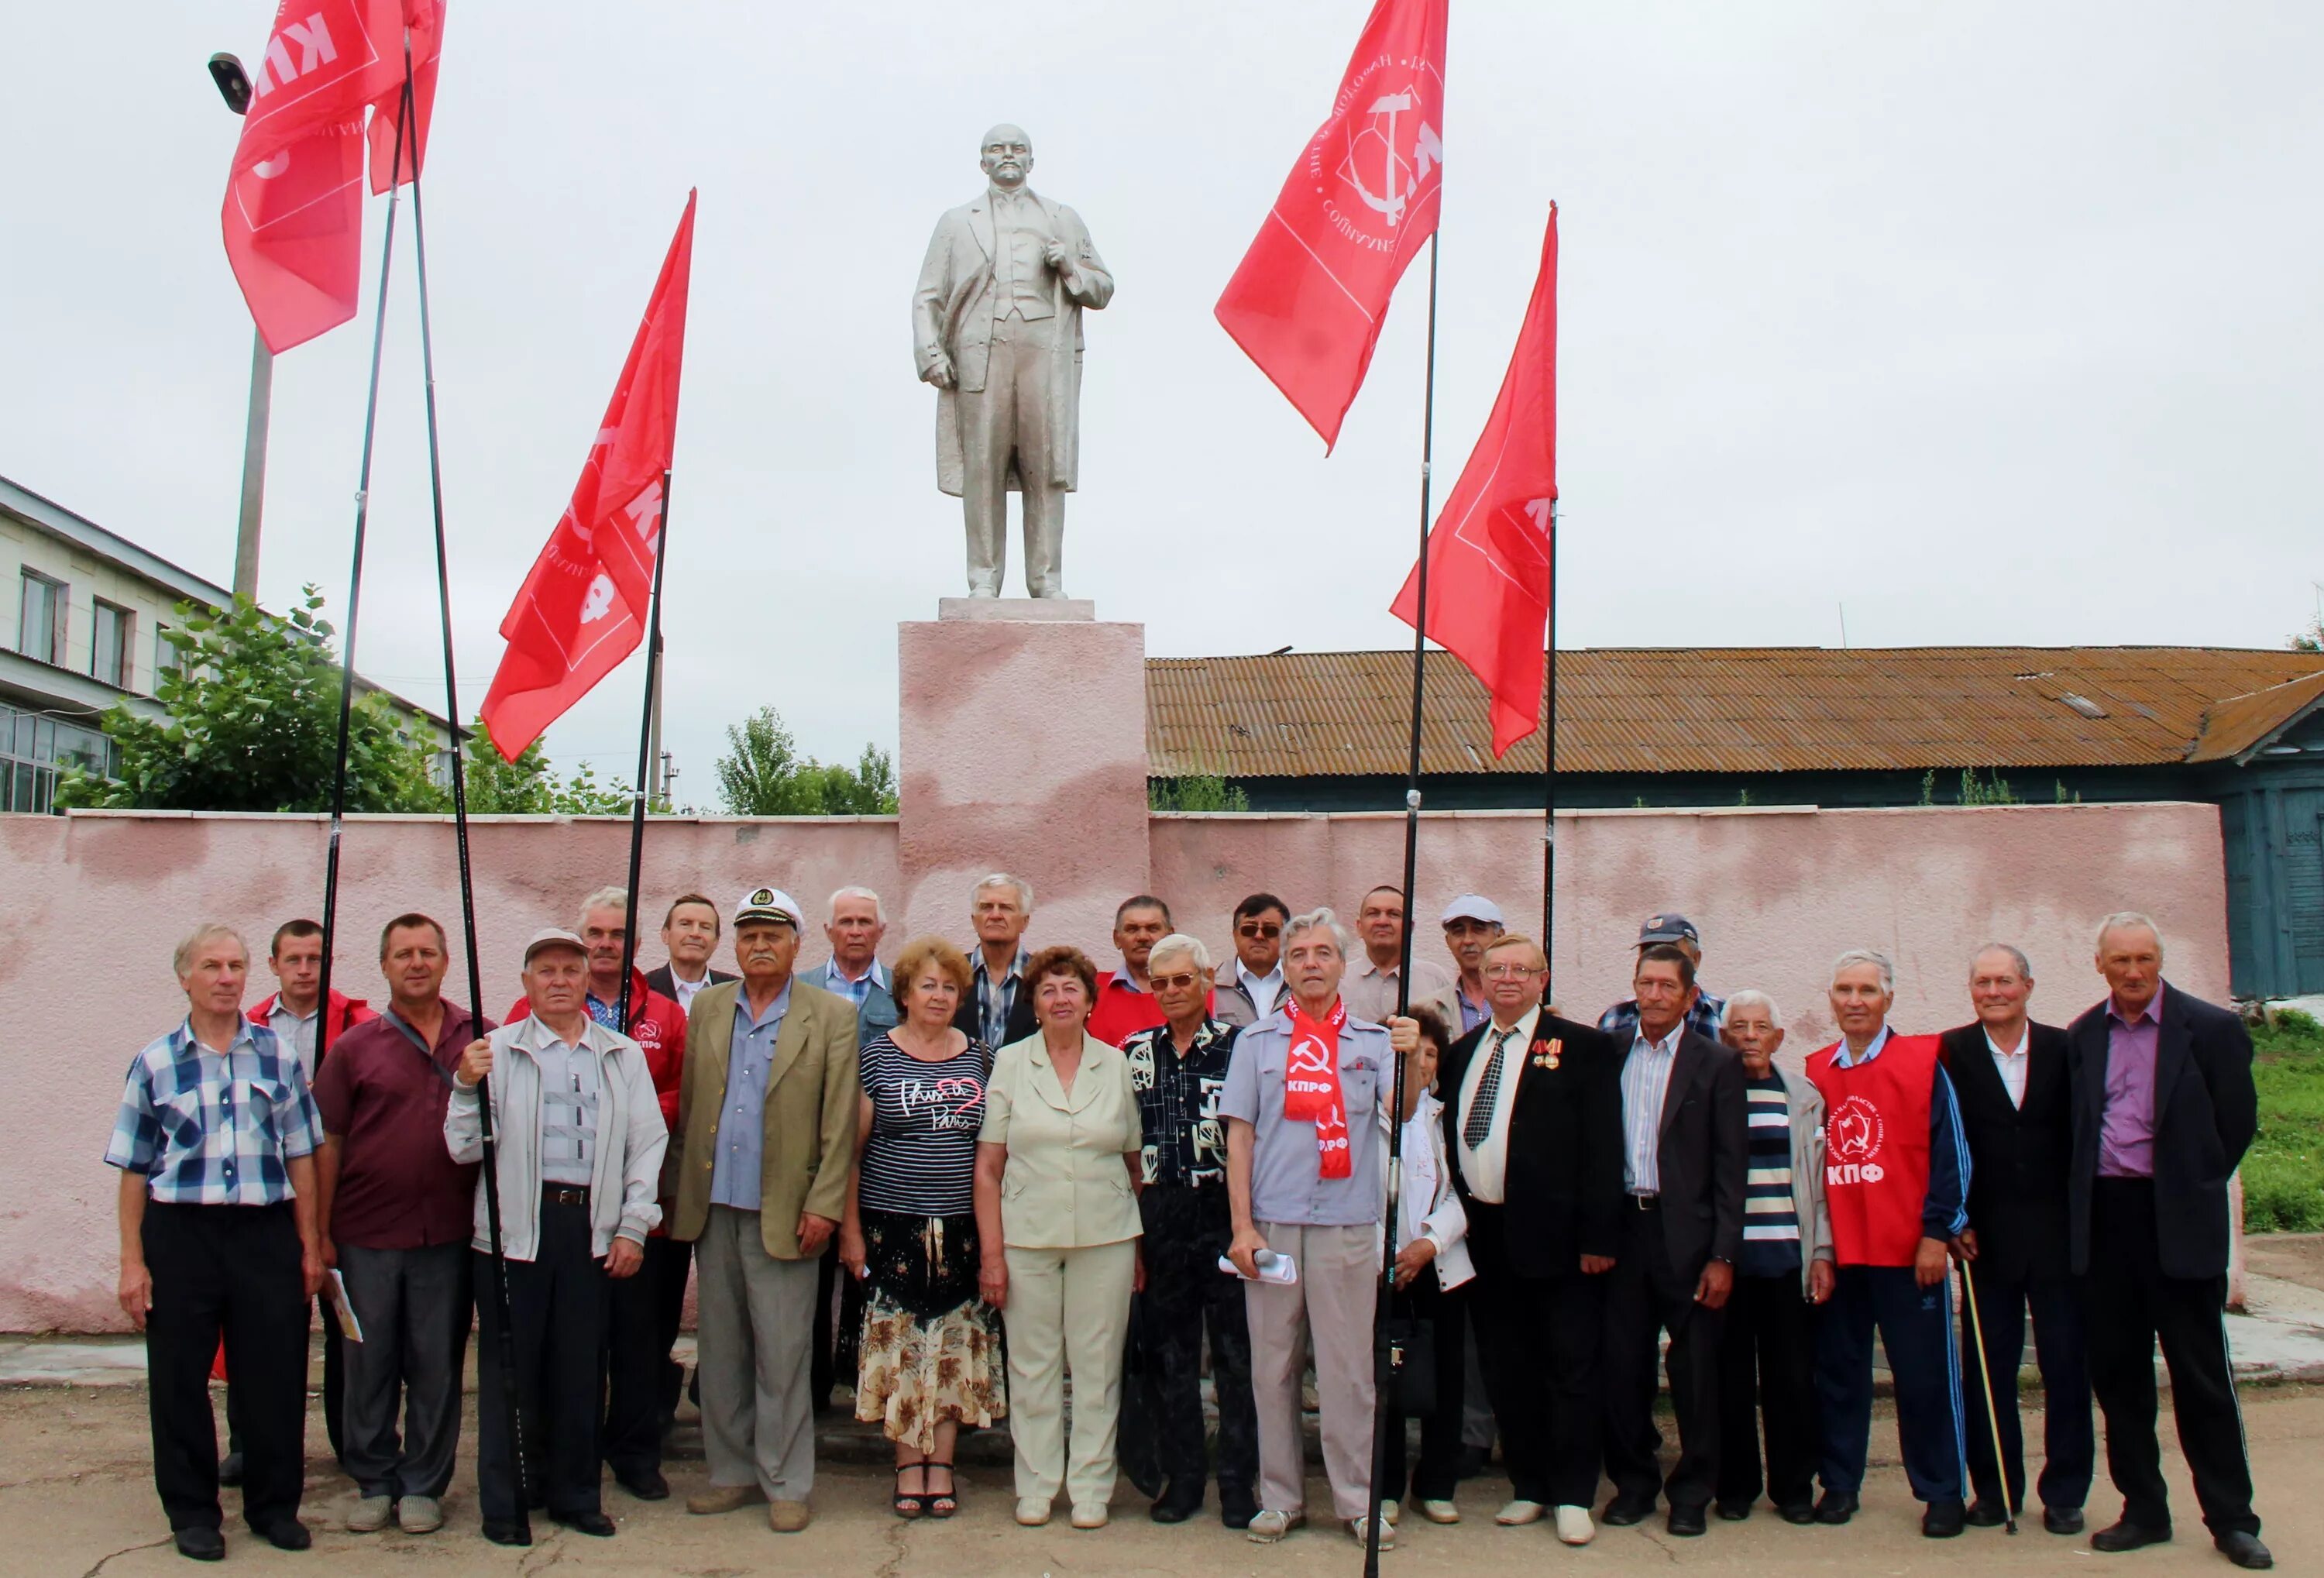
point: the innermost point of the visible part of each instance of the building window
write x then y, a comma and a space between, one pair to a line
167, 657
40, 618
109, 645
35, 749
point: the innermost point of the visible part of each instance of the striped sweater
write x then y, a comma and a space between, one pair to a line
1771, 1222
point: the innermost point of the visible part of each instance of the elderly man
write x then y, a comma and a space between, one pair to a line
2016, 1105
1471, 922
1178, 1070
395, 1209
767, 1129
2164, 1109
854, 927
998, 1008
215, 1140
690, 934
579, 1141
1305, 1148
1896, 1176
1669, 930
1125, 1002
1683, 1170
1371, 986
1253, 988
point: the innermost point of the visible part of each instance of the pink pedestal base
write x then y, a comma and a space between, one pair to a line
1023, 750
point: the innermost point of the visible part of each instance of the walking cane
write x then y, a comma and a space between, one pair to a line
1992, 1409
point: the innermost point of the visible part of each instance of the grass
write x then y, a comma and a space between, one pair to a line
2283, 1173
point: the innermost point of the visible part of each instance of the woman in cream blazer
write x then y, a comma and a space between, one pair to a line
1056, 1213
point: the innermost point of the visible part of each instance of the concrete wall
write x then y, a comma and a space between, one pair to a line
97, 901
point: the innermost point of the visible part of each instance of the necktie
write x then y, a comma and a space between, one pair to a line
1478, 1126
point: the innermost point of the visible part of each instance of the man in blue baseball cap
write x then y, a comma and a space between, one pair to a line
1670, 929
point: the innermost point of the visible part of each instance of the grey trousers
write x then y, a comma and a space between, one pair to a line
1332, 1304
413, 1305
754, 1322
1011, 414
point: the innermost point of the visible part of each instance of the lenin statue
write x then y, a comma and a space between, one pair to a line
997, 328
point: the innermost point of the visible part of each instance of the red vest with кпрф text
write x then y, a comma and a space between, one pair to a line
1876, 1153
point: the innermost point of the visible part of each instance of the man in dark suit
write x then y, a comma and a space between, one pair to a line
2163, 1110
1533, 1124
690, 934
1683, 1137
2016, 1112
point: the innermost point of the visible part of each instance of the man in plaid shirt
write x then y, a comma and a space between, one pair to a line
216, 1141
1621, 1020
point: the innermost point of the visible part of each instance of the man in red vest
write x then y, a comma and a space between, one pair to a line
1896, 1174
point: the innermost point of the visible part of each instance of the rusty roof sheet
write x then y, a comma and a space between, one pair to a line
1707, 709
2242, 723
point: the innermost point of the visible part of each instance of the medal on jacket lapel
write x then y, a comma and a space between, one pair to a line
1546, 1053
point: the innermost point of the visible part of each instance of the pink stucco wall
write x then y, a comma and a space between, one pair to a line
97, 901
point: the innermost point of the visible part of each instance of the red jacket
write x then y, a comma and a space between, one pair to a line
658, 1025
344, 1010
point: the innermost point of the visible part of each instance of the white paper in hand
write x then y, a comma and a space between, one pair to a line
336, 1286
1280, 1269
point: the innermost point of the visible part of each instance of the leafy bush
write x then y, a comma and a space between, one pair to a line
1202, 791
2284, 1174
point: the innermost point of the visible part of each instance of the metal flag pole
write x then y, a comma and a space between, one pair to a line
507, 1345
1549, 773
1387, 1360
645, 756
354, 603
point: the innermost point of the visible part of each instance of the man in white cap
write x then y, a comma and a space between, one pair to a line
1471, 922
766, 1128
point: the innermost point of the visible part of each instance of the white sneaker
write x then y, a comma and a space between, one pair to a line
420, 1515
1089, 1515
1360, 1529
1390, 1512
370, 1514
1573, 1526
1519, 1512
1440, 1512
1267, 1525
1032, 1511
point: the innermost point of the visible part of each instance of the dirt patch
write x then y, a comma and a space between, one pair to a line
2293, 1257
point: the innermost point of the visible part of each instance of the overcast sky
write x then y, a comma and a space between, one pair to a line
1998, 323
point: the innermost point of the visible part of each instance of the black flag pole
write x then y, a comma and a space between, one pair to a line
1387, 1358
354, 598
645, 755
508, 1398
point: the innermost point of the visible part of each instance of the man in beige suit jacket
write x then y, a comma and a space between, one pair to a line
766, 1133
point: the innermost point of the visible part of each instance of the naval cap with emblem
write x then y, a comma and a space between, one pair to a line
1668, 927
770, 904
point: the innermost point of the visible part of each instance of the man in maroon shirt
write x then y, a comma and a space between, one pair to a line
397, 1213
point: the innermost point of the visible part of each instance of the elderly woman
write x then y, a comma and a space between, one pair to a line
928, 1353
1766, 1360
1056, 1211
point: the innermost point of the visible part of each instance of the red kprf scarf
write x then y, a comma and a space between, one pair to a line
1311, 1087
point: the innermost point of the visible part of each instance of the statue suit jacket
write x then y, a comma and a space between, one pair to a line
952, 313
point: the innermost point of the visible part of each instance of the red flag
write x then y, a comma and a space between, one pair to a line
293, 212
1488, 557
1307, 303
425, 18
582, 609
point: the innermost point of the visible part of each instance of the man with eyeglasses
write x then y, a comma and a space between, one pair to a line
1371, 987
1471, 922
1253, 988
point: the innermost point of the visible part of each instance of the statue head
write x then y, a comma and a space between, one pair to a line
1007, 155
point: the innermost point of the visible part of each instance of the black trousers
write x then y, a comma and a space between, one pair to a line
823, 1363
1446, 1316
641, 1316
1646, 1297
334, 1386
558, 1301
230, 1269
1916, 1328
2069, 1447
2132, 1305
1540, 1340
1188, 1229
1766, 1383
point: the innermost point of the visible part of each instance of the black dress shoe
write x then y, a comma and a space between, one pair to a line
2128, 1536
229, 1472
1986, 1513
1621, 1512
590, 1523
2244, 1550
1177, 1502
1237, 1506
1944, 1520
1836, 1507
202, 1543
2062, 1520
506, 1533
1734, 1511
1797, 1512
645, 1484
1685, 1521
286, 1534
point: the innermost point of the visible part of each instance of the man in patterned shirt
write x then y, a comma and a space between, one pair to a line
216, 1141
1177, 1068
1669, 929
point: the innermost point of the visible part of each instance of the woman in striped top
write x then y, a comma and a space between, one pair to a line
928, 1353
1766, 1363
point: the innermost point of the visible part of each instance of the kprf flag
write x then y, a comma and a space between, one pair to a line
582, 609
1307, 303
1489, 557
293, 212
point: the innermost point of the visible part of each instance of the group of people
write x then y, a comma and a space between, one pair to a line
974, 1177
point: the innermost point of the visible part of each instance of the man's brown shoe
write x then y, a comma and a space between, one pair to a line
721, 1499
788, 1516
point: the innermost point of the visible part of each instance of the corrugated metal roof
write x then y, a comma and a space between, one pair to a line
2240, 723
1697, 709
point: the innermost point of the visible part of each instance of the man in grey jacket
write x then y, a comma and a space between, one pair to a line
580, 1139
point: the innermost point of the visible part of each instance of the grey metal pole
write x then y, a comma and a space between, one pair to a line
254, 468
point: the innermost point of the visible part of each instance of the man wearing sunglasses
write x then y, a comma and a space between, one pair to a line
1253, 988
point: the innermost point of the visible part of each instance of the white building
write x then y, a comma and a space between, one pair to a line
89, 622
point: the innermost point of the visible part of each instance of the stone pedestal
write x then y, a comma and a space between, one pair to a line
1022, 748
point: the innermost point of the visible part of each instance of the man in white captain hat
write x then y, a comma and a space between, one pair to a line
765, 1137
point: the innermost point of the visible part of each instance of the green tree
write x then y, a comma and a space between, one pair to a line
1198, 791
2311, 640
529, 786
253, 725
764, 774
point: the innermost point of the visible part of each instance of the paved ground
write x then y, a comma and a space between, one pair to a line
77, 1500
